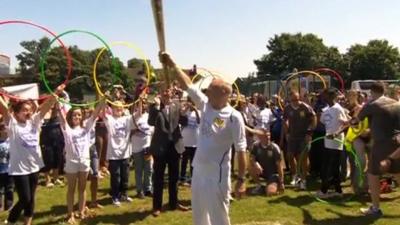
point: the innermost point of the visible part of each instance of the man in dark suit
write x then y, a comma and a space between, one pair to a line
165, 116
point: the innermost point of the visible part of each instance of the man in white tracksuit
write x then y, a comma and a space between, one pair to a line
220, 126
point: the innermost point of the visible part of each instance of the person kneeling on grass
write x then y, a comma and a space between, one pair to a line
266, 162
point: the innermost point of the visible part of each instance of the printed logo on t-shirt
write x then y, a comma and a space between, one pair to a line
4, 154
192, 123
219, 122
79, 141
29, 138
302, 114
327, 118
120, 130
144, 127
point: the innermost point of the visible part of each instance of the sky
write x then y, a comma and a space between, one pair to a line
220, 35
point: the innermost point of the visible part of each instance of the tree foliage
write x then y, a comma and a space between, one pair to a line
378, 60
109, 70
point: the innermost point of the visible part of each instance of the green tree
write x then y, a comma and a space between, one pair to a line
378, 60
29, 59
304, 52
109, 70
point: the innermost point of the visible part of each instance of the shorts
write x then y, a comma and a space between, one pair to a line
94, 161
296, 146
381, 149
77, 166
52, 156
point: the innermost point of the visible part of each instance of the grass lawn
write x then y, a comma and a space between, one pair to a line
291, 208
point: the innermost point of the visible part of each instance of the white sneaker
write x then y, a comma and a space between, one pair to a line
294, 181
126, 199
302, 185
116, 202
371, 211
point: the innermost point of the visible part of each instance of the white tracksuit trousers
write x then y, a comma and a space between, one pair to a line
210, 198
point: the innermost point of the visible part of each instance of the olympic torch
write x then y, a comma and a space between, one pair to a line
159, 22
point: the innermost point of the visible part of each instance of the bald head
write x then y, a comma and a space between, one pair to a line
218, 93
294, 98
221, 86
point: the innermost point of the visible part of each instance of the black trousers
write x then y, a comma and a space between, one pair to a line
187, 157
25, 185
6, 190
316, 154
119, 177
171, 159
330, 175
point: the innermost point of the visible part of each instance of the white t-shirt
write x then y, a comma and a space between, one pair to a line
78, 141
264, 119
219, 129
331, 117
191, 131
142, 138
25, 153
92, 131
119, 130
250, 112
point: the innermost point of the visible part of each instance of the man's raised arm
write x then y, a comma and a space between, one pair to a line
183, 79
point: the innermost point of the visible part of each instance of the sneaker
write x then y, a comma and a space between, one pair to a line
302, 185
337, 194
294, 181
49, 185
148, 193
371, 211
126, 199
140, 195
95, 205
184, 184
59, 182
116, 202
322, 195
257, 190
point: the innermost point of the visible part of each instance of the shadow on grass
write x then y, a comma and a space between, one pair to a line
122, 219
57, 212
342, 219
307, 199
297, 201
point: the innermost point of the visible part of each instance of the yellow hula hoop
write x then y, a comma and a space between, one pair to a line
138, 51
216, 75
297, 74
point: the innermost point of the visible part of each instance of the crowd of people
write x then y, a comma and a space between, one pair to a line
195, 138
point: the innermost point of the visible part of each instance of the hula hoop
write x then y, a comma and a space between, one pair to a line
204, 77
297, 74
352, 153
334, 73
66, 52
137, 50
216, 75
361, 127
44, 56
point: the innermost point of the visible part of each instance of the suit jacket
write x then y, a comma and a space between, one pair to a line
166, 127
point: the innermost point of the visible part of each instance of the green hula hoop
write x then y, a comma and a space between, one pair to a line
43, 62
350, 151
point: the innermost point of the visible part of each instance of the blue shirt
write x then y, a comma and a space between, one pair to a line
4, 156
